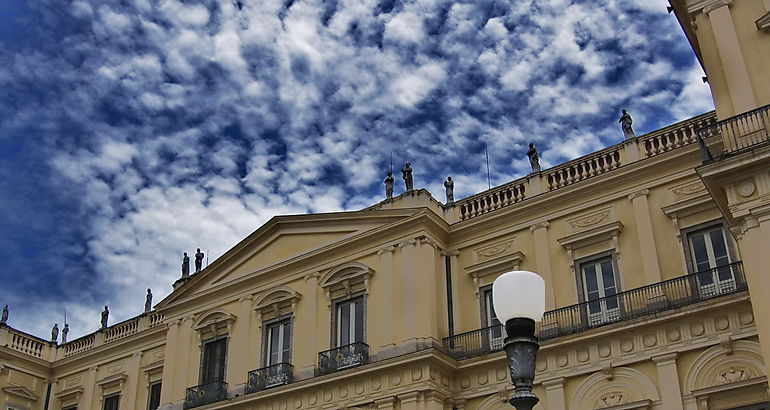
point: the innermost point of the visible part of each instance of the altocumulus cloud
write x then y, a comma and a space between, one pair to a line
134, 130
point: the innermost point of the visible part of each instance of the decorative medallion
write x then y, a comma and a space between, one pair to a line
465, 382
650, 340
746, 318
416, 374
376, 384
722, 323
582, 356
732, 375
627, 345
697, 329
297, 403
604, 351
359, 388
483, 378
611, 399
562, 360
673, 335
745, 188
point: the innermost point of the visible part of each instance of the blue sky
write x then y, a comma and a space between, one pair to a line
134, 130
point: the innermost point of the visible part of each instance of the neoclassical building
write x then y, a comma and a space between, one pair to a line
654, 253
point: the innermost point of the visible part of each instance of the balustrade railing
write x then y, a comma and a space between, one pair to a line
270, 376
204, 394
343, 357
121, 330
634, 303
27, 344
155, 319
79, 345
741, 132
494, 199
583, 168
675, 136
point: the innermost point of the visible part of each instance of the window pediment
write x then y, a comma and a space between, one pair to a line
214, 322
115, 380
606, 232
277, 301
21, 391
346, 279
71, 394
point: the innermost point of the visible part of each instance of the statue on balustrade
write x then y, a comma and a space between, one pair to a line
64, 333
55, 333
389, 185
450, 190
198, 260
148, 301
185, 265
407, 174
4, 317
534, 159
105, 316
625, 123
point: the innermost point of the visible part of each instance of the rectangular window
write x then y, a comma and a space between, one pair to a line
489, 318
111, 402
278, 342
153, 401
599, 290
214, 359
350, 321
711, 260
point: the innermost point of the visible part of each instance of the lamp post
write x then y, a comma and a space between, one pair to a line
519, 300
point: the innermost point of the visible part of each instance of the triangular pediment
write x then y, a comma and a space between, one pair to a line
284, 240
21, 391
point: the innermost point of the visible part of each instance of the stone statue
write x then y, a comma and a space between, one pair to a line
55, 333
4, 317
105, 316
198, 260
407, 174
185, 265
450, 190
389, 185
64, 333
625, 122
534, 159
148, 301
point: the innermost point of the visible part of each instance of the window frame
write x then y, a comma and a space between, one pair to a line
579, 263
203, 353
335, 305
266, 325
494, 338
149, 394
686, 233
115, 396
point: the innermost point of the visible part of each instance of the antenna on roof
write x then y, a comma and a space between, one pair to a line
489, 180
65, 315
391, 162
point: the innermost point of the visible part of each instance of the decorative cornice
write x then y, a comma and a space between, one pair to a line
706, 6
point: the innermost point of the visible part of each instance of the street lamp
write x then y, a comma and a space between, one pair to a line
519, 300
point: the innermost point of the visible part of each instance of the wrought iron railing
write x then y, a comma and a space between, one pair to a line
343, 357
634, 303
739, 133
205, 394
270, 376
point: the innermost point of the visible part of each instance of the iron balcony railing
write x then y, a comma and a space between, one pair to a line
205, 394
270, 376
343, 357
634, 303
739, 133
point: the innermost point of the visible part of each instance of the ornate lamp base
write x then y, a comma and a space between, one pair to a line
521, 348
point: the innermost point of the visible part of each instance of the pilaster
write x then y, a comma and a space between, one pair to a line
543, 259
169, 364
52, 398
554, 394
668, 380
387, 318
239, 357
89, 391
409, 401
187, 367
649, 253
408, 288
308, 308
133, 372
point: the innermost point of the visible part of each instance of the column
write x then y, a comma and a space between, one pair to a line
409, 400
543, 259
429, 298
188, 368
731, 56
133, 371
169, 363
408, 289
239, 359
52, 397
89, 390
385, 404
668, 381
308, 308
433, 400
648, 252
387, 317
554, 394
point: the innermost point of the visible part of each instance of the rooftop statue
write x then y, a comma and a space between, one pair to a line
198, 260
625, 123
389, 185
450, 190
64, 333
534, 159
4, 317
407, 174
185, 265
105, 317
148, 301
55, 333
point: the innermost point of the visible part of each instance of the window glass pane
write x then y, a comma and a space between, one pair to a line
221, 358
111, 403
286, 342
719, 247
608, 279
699, 252
274, 345
214, 356
344, 324
589, 274
359, 320
154, 401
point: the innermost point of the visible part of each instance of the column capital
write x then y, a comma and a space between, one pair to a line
312, 275
638, 194
428, 241
665, 358
387, 249
245, 298
539, 225
408, 242
453, 252
707, 6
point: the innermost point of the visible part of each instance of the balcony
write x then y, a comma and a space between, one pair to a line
205, 394
631, 304
739, 133
270, 376
343, 357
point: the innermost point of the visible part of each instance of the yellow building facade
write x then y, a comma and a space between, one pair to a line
651, 251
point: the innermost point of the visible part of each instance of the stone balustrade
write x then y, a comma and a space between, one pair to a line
121, 330
79, 345
27, 344
581, 169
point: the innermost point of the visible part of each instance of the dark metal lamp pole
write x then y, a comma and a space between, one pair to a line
518, 298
